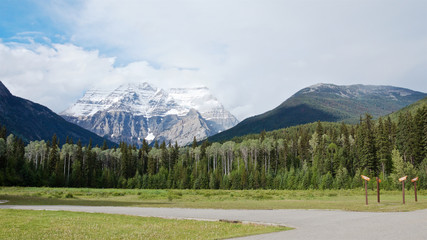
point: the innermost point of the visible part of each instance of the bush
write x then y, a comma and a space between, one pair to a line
119, 194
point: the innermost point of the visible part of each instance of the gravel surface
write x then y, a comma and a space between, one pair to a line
308, 224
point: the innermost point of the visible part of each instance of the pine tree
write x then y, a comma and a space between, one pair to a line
104, 145
369, 155
404, 136
419, 144
194, 145
144, 156
3, 159
383, 147
53, 160
77, 167
174, 155
125, 161
319, 131
303, 146
89, 165
3, 132
164, 156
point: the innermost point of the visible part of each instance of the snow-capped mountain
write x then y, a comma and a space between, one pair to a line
133, 112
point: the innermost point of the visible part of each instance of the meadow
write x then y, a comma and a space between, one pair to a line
349, 200
28, 224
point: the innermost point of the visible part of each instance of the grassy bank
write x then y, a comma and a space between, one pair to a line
27, 224
352, 200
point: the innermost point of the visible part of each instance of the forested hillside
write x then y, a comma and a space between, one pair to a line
319, 156
410, 108
326, 102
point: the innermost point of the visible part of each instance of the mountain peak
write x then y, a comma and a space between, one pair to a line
4, 92
318, 88
134, 111
137, 86
320, 85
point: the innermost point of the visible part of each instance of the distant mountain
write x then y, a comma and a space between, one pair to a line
326, 102
31, 121
133, 112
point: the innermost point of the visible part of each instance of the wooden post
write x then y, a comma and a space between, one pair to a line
403, 191
402, 179
378, 189
415, 187
366, 191
366, 187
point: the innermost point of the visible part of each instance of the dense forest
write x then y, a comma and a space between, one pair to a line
313, 156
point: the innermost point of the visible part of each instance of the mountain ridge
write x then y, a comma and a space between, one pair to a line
326, 102
32, 121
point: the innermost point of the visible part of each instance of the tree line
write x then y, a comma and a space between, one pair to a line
320, 155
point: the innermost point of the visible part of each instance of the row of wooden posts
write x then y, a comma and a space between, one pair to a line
402, 180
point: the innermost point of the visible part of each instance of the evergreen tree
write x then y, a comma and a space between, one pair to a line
53, 162
144, 156
125, 161
194, 145
104, 145
369, 155
77, 167
319, 132
89, 165
419, 138
383, 146
405, 136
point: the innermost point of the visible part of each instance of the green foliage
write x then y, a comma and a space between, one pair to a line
320, 155
327, 181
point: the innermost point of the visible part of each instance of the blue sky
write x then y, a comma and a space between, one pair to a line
24, 19
252, 54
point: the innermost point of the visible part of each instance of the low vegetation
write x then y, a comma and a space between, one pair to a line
352, 200
27, 224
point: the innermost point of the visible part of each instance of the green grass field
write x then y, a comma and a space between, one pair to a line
351, 200
27, 224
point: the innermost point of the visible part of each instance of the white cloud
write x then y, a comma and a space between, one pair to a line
52, 76
252, 54
59, 75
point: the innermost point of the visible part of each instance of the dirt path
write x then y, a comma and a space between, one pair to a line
308, 224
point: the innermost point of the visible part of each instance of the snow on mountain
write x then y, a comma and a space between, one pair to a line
198, 98
136, 105
138, 99
358, 91
206, 104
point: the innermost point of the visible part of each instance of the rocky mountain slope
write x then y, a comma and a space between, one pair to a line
137, 111
32, 121
326, 102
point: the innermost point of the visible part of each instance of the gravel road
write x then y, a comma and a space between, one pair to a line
308, 224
